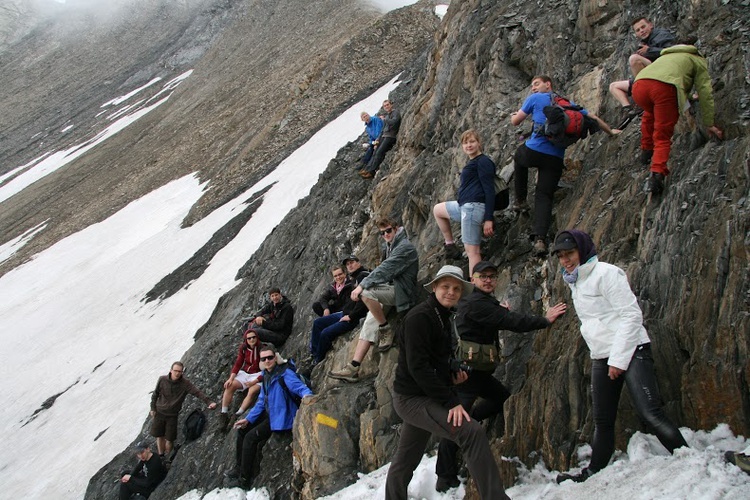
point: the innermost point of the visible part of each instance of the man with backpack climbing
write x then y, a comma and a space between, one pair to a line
545, 150
166, 403
281, 393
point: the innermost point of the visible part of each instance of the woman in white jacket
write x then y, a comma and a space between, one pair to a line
612, 326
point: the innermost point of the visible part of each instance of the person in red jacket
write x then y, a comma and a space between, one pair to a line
245, 374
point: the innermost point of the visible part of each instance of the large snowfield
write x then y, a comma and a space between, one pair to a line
81, 350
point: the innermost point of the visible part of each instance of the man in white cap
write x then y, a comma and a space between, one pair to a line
424, 396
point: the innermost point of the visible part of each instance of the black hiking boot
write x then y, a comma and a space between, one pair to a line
655, 184
646, 155
629, 113
577, 478
444, 484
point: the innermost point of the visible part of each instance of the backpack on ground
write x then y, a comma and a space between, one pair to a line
565, 123
194, 425
291, 365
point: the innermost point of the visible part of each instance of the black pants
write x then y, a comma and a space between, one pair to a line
550, 170
644, 392
265, 335
129, 489
386, 144
249, 440
493, 395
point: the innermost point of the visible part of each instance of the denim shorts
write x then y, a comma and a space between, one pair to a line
471, 216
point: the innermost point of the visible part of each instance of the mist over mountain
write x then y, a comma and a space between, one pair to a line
266, 75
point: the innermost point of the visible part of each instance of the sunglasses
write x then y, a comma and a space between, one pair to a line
267, 358
385, 231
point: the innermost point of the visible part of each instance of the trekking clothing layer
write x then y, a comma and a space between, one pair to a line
249, 439
145, 477
373, 128
660, 116
333, 299
248, 358
644, 393
611, 320
325, 330
478, 184
275, 401
391, 124
471, 217
169, 395
550, 169
356, 309
385, 145
534, 106
659, 39
400, 266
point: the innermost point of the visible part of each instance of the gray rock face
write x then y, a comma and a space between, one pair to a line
686, 253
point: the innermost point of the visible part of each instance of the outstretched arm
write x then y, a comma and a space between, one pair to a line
604, 126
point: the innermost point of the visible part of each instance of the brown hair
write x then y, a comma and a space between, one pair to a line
638, 19
387, 221
543, 78
274, 289
469, 134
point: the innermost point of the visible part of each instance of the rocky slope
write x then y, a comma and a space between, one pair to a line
686, 254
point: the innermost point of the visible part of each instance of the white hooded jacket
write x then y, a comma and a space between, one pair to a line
611, 319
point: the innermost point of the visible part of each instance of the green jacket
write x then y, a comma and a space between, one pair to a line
685, 68
400, 267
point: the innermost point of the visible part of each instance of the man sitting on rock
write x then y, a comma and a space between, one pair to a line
274, 321
274, 412
373, 127
391, 124
392, 283
327, 328
146, 476
245, 375
651, 42
336, 294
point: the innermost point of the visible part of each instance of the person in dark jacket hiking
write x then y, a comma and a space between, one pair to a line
391, 125
273, 412
424, 393
538, 152
166, 403
336, 294
612, 326
392, 283
245, 375
662, 90
327, 328
475, 205
146, 476
479, 317
373, 127
651, 41
275, 320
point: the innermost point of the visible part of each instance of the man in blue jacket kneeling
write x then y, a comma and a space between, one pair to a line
273, 412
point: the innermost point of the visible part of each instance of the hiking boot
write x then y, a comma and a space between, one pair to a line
655, 184
539, 248
629, 113
646, 155
348, 373
444, 484
577, 478
452, 251
521, 207
739, 459
366, 174
385, 337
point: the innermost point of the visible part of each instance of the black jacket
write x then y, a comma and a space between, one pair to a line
334, 301
278, 317
426, 350
148, 474
480, 316
659, 39
356, 310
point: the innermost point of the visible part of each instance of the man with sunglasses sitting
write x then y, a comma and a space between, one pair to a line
479, 317
392, 283
245, 376
273, 412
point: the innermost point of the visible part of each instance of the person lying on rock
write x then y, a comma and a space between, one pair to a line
336, 293
392, 283
329, 327
391, 125
273, 412
274, 321
245, 375
612, 326
146, 476
650, 43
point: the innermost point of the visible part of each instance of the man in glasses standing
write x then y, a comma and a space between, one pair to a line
479, 318
392, 283
274, 412
245, 376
